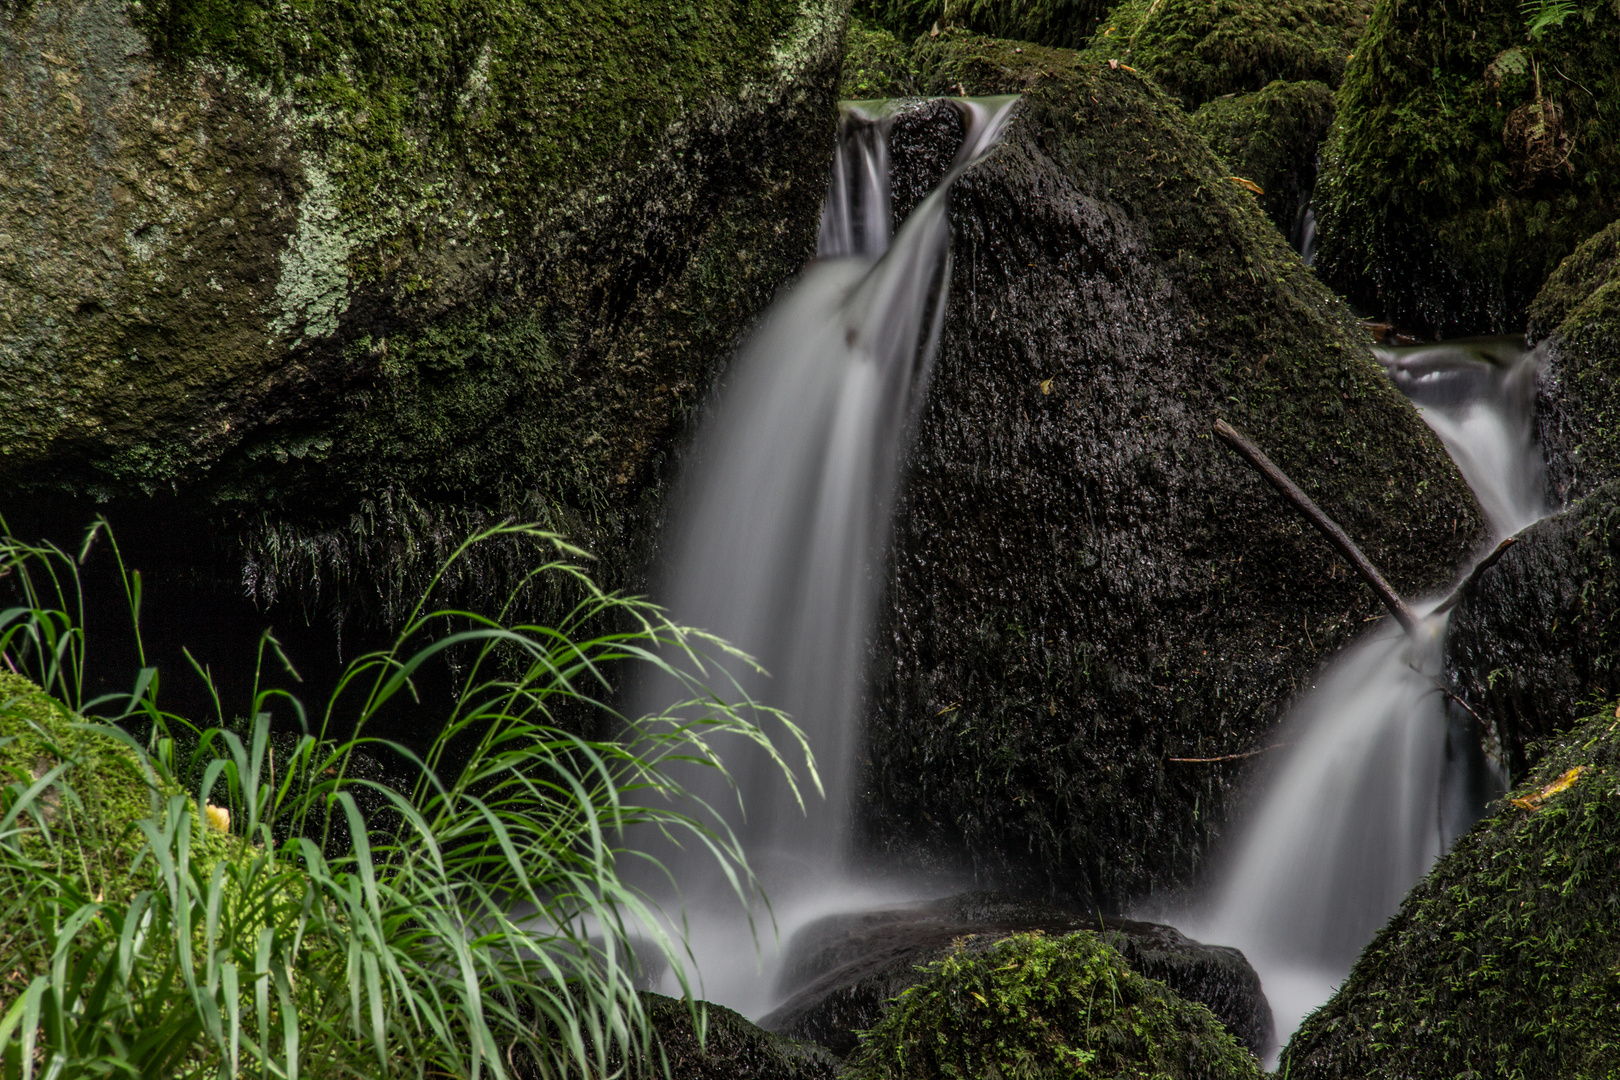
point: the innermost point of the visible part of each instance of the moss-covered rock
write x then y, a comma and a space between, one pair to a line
876, 65
1470, 154
1199, 50
348, 277
847, 968
1067, 24
731, 1047
1270, 136
1503, 962
1084, 583
1577, 313
1539, 632
1037, 1006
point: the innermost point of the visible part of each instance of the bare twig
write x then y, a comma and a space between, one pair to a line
1474, 575
1324, 524
1228, 757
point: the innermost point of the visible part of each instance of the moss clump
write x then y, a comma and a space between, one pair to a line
1270, 137
1199, 50
1503, 962
876, 65
1467, 159
905, 19
1579, 310
1034, 1006
101, 794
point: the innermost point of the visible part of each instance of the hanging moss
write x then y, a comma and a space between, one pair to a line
1031, 1006
1503, 962
1468, 158
1270, 137
1199, 50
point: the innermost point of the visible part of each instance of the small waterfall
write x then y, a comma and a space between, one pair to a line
1381, 771
782, 519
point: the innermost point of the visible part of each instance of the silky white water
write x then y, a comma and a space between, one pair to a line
1377, 774
779, 535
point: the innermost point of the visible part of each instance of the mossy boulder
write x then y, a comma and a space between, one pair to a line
341, 281
1067, 24
1470, 154
1199, 50
846, 969
1577, 315
1502, 962
731, 1048
1539, 632
1084, 584
1038, 1006
1270, 137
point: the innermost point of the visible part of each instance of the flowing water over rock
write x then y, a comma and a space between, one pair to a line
1380, 772
781, 524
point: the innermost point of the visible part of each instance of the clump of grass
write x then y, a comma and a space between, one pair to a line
478, 925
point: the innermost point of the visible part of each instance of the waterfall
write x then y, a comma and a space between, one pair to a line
777, 540
1380, 771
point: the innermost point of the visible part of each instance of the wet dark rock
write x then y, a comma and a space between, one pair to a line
1503, 961
333, 325
1474, 148
1270, 136
734, 1048
1539, 632
1084, 584
848, 967
1577, 313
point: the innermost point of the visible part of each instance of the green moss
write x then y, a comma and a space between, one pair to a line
905, 19
1034, 1006
103, 792
1270, 137
876, 65
1067, 24
1431, 210
1503, 962
1199, 50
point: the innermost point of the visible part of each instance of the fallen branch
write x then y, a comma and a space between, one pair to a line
1228, 757
1474, 575
1324, 524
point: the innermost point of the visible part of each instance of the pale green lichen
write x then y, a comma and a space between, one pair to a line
312, 289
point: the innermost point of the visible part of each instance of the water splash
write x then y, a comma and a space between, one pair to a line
782, 518
1381, 772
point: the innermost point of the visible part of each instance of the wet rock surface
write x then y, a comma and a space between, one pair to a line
1577, 313
849, 966
1084, 584
248, 299
733, 1049
1539, 632
1457, 174
1502, 961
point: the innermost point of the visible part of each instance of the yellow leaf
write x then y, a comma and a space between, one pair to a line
1247, 184
980, 996
1563, 783
218, 817
1046, 386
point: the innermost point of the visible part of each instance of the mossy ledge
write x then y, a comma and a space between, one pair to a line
1503, 961
298, 264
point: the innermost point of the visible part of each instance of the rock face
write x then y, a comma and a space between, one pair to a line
1031, 1005
1539, 632
1578, 314
1473, 150
1270, 136
1085, 585
341, 286
1503, 961
851, 966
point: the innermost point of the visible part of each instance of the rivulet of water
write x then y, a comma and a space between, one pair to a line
778, 535
1380, 771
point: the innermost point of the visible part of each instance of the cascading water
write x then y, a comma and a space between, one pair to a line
782, 519
1381, 773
